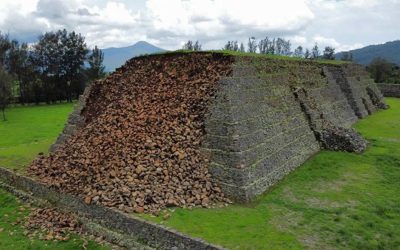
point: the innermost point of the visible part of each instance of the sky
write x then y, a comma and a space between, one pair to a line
343, 24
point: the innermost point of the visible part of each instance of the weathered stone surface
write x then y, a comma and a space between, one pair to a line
389, 90
343, 139
272, 115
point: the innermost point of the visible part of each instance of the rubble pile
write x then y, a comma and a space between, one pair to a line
139, 149
57, 225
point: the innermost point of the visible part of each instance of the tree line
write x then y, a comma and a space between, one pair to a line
381, 70
54, 69
384, 71
275, 46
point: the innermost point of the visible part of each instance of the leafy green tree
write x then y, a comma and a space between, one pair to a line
96, 67
315, 51
307, 54
59, 57
286, 50
197, 46
347, 56
298, 52
190, 45
383, 71
263, 45
5, 45
74, 54
252, 45
242, 49
232, 46
5, 90
19, 65
329, 53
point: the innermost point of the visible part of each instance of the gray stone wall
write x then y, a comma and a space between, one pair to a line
389, 90
257, 130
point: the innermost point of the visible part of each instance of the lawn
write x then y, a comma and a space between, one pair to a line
335, 200
28, 131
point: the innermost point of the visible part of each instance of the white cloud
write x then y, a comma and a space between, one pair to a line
343, 24
214, 19
163, 22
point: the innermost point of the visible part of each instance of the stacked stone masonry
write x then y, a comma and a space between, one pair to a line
258, 131
389, 90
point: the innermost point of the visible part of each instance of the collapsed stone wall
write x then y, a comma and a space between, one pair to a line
389, 90
266, 117
139, 146
272, 115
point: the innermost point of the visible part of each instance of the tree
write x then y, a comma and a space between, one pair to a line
263, 45
279, 46
329, 53
232, 45
272, 47
298, 52
252, 45
286, 49
307, 54
381, 70
189, 45
197, 46
242, 49
228, 46
5, 90
315, 51
74, 54
5, 45
96, 67
266, 46
347, 56
59, 58
20, 67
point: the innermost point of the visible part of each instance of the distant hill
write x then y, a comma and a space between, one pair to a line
389, 51
116, 57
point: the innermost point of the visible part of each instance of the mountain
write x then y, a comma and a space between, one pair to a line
389, 51
116, 57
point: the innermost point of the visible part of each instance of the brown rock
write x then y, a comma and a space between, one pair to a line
143, 131
139, 210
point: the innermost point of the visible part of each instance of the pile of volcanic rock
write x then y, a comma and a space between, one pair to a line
56, 225
343, 139
139, 149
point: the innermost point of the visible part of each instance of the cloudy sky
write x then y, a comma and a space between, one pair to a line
344, 24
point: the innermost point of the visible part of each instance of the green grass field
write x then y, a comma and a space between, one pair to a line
335, 200
28, 131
